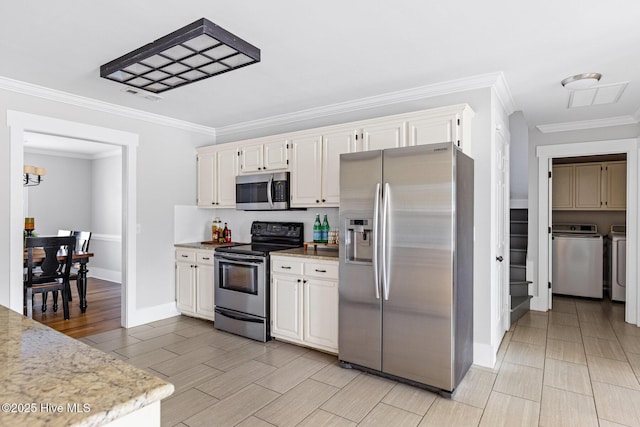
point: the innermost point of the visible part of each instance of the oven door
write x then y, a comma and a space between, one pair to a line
240, 283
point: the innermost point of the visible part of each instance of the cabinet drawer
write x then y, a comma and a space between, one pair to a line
205, 258
185, 256
321, 270
286, 265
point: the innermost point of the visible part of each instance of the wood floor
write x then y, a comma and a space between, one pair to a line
103, 311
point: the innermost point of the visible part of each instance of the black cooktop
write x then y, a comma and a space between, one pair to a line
269, 236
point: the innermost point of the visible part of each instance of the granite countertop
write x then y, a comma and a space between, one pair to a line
202, 245
44, 373
326, 254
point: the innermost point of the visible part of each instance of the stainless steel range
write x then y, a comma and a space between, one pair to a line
242, 278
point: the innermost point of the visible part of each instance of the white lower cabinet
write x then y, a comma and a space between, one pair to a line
304, 301
194, 283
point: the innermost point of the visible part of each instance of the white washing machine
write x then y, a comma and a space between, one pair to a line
577, 260
617, 263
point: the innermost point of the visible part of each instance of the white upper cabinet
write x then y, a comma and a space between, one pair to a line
264, 155
383, 134
616, 185
313, 156
447, 124
315, 166
217, 170
306, 170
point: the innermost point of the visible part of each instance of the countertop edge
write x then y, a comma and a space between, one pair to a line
326, 254
128, 407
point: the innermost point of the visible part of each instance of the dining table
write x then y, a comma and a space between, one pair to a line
78, 257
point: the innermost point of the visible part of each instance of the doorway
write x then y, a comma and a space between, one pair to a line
82, 191
545, 155
19, 123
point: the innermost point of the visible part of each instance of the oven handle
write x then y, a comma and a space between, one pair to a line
240, 260
241, 318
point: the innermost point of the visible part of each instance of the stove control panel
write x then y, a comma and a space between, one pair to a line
277, 229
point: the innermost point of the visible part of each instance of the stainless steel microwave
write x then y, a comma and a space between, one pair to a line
263, 192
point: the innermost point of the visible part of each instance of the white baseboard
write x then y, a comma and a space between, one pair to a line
105, 274
484, 355
151, 314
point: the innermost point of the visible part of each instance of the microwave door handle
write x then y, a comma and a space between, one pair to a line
376, 237
270, 191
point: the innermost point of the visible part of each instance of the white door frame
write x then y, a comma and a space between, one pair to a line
20, 122
545, 153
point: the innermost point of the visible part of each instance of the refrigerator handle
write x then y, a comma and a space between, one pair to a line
376, 235
386, 267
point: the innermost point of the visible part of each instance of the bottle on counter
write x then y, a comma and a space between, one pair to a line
325, 229
317, 230
216, 230
226, 233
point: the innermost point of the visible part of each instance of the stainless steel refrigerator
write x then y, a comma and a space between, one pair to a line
406, 264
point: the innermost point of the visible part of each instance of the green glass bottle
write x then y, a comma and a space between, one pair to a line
325, 230
317, 230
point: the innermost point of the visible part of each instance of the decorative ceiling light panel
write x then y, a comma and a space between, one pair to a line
195, 52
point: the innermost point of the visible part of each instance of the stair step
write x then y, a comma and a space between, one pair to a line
519, 307
518, 250
519, 282
518, 266
518, 222
518, 290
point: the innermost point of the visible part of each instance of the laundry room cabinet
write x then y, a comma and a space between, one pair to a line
590, 186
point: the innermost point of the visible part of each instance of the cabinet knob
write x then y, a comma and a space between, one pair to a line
264, 167
304, 281
259, 169
499, 258
299, 280
317, 201
323, 200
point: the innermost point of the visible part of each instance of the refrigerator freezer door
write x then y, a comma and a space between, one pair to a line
360, 323
417, 320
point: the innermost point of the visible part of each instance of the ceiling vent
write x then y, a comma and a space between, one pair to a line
599, 95
141, 94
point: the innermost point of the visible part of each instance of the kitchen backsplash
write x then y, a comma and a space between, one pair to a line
193, 224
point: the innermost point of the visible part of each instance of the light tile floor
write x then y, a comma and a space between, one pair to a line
577, 365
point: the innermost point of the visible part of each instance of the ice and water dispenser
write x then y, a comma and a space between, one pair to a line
359, 241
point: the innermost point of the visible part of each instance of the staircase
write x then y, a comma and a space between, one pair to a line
518, 284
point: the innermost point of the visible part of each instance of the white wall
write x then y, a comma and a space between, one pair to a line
63, 199
165, 177
519, 162
106, 217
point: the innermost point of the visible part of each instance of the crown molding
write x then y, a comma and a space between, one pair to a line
589, 124
105, 107
495, 80
504, 94
74, 155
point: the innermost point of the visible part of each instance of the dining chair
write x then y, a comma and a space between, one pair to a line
83, 238
50, 274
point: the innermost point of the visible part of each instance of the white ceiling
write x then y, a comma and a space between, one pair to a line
316, 54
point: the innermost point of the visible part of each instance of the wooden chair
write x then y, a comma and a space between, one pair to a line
52, 274
83, 238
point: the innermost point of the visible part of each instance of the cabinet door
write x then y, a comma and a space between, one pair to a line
185, 287
306, 171
286, 321
333, 144
251, 158
616, 185
432, 130
588, 186
383, 135
226, 171
321, 313
204, 291
562, 191
276, 155
206, 174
